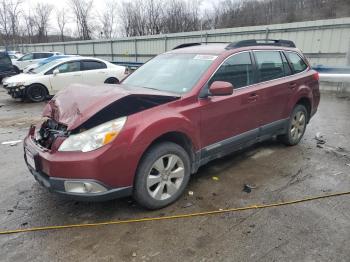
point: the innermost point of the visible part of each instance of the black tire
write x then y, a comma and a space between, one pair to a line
142, 192
112, 80
36, 93
289, 139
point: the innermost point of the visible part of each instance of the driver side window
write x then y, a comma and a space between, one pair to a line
26, 57
69, 67
237, 70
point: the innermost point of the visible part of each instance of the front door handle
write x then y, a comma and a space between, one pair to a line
292, 85
253, 97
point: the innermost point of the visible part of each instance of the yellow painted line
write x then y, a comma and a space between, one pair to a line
181, 216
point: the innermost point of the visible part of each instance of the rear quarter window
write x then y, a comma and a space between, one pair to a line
297, 62
93, 65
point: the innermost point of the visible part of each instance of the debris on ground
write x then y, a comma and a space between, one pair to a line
339, 173
319, 138
339, 151
134, 254
215, 178
248, 188
190, 193
189, 204
11, 143
348, 164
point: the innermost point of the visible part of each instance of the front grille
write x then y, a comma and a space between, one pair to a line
49, 131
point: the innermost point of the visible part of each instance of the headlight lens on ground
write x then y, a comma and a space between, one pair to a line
94, 138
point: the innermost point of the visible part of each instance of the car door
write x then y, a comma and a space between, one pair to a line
229, 122
68, 73
94, 71
275, 90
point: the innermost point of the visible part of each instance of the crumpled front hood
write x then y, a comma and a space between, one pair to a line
19, 78
77, 103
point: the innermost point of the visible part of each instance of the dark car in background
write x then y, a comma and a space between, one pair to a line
6, 67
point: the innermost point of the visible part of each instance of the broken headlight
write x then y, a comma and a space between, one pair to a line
94, 138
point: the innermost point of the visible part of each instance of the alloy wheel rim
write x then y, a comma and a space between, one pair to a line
165, 177
37, 93
298, 125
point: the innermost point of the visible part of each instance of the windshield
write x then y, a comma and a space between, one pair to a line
176, 73
45, 67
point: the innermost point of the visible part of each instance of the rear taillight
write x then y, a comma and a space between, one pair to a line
316, 76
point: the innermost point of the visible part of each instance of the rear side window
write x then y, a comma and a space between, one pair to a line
93, 65
38, 55
269, 64
297, 62
238, 70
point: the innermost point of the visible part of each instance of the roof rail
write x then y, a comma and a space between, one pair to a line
268, 42
186, 45
196, 44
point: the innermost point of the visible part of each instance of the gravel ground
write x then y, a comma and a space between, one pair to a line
313, 231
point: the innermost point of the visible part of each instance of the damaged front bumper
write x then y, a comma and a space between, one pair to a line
16, 92
78, 176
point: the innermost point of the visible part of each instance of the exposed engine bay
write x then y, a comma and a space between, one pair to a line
51, 129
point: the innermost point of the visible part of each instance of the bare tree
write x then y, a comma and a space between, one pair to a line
154, 15
82, 10
9, 20
108, 19
42, 13
133, 18
62, 19
182, 16
29, 22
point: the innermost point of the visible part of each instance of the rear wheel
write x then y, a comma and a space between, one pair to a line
36, 93
162, 175
112, 80
296, 126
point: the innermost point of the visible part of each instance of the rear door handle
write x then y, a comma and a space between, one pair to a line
292, 85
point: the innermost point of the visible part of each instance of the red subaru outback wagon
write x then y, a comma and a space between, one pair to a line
180, 110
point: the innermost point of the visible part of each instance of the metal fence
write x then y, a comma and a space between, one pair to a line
324, 42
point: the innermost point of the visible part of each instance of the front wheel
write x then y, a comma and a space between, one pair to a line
296, 126
36, 93
162, 175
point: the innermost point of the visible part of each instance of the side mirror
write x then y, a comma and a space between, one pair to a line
56, 71
220, 88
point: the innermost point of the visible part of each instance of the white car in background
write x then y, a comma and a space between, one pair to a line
52, 77
32, 58
15, 57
